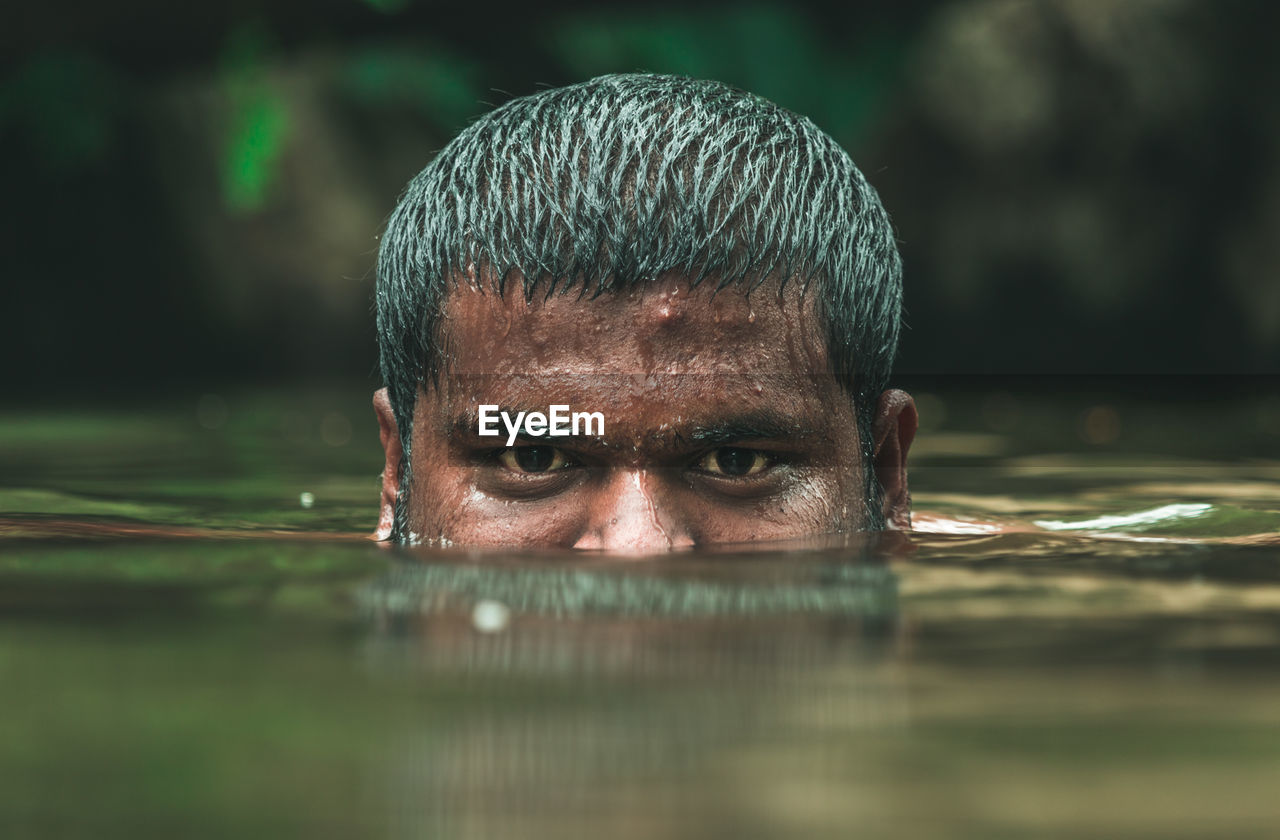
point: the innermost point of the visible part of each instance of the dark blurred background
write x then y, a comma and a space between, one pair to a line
194, 192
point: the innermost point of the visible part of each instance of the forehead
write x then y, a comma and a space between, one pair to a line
664, 327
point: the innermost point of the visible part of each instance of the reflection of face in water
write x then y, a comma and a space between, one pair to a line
722, 423
807, 589
603, 687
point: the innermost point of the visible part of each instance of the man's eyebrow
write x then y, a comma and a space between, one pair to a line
757, 426
739, 428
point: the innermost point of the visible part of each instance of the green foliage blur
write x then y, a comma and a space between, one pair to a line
1079, 187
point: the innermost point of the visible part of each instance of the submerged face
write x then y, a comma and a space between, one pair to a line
721, 423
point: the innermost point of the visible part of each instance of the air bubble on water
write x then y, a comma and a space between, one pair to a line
490, 616
335, 429
306, 499
1100, 425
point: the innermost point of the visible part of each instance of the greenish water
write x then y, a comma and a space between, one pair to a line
1084, 644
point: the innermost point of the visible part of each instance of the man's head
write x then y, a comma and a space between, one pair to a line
707, 271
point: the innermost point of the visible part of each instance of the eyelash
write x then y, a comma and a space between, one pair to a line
771, 460
500, 457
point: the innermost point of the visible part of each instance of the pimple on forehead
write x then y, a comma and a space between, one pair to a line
676, 302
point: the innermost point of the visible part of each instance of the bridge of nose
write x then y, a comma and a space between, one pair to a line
630, 514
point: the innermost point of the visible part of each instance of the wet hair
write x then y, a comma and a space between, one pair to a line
604, 185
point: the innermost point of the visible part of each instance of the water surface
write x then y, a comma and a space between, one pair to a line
196, 640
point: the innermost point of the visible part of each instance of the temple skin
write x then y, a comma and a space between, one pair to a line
683, 375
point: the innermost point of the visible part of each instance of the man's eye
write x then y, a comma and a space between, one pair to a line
533, 459
734, 462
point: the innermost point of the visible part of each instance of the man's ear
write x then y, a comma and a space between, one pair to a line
893, 430
389, 432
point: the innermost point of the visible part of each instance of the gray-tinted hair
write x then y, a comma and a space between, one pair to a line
606, 184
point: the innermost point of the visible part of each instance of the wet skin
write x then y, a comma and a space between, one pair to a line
723, 424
